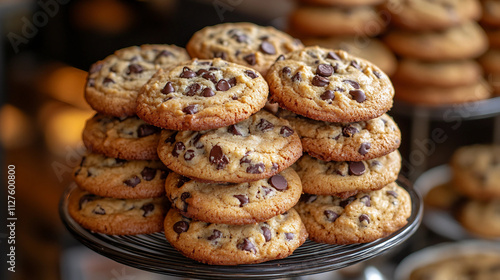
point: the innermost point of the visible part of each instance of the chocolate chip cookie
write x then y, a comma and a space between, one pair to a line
119, 178
362, 218
256, 148
346, 178
481, 217
342, 2
345, 141
220, 244
242, 43
331, 86
201, 94
113, 83
243, 203
126, 138
117, 216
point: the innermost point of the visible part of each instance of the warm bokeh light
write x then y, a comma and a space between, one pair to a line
15, 127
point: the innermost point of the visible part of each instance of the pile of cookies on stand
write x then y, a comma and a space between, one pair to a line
490, 61
182, 144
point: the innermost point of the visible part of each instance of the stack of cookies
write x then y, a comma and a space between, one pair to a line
337, 104
347, 25
437, 42
490, 61
231, 189
121, 180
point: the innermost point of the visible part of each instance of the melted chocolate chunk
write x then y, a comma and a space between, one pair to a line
251, 74
308, 198
221, 54
209, 76
232, 82
242, 198
147, 208
354, 84
349, 130
256, 168
355, 65
187, 73
392, 193
132, 182
286, 131
182, 181
356, 168
134, 69
286, 70
91, 82
278, 182
207, 92
164, 53
245, 158
330, 215
179, 147
184, 196
281, 57
247, 245
146, 129
108, 81
347, 201
267, 48
265, 125
86, 198
190, 109
193, 89
216, 234
218, 158
332, 55
189, 155
171, 138
233, 129
289, 236
99, 210
250, 59
181, 226
274, 166
366, 200
364, 217
320, 81
96, 67
222, 85
358, 95
267, 233
148, 173
327, 95
364, 148
196, 141
324, 70
297, 77
377, 74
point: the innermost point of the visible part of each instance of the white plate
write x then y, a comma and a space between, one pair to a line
443, 251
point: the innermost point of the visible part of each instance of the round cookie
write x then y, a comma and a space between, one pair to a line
126, 138
256, 148
242, 43
336, 21
346, 178
117, 216
476, 171
119, 178
243, 203
440, 45
491, 61
438, 74
358, 219
442, 95
220, 244
481, 217
201, 94
113, 83
491, 13
342, 2
331, 86
345, 141
366, 48
421, 15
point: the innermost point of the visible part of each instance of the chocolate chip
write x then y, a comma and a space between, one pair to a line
77, 172
364, 148
355, 65
178, 148
356, 168
347, 201
250, 59
289, 236
99, 210
264, 37
187, 73
232, 81
182, 181
267, 233
265, 125
164, 53
196, 141
286, 70
192, 89
207, 92
146, 129
148, 173
366, 200
247, 245
331, 216
278, 182
184, 196
233, 129
274, 166
297, 77
256, 168
242, 198
209, 76
364, 217
267, 48
327, 95
189, 155
213, 69
96, 67
358, 95
107, 81
377, 74
86, 198
392, 193
132, 182
218, 158
354, 84
171, 138
308, 198
375, 163
222, 85
120, 161
245, 158
220, 54
349, 130
147, 208
216, 234
266, 191
163, 174
320, 81
333, 55
191, 109
286, 131
181, 226
134, 69
281, 57
91, 82
251, 74
325, 70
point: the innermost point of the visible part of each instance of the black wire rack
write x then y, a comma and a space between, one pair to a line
153, 253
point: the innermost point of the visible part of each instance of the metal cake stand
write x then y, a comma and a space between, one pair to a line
153, 253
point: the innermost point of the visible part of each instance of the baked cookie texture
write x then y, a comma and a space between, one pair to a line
117, 178
127, 138
256, 148
201, 94
345, 141
114, 82
242, 43
117, 216
362, 218
481, 217
222, 244
328, 85
347, 178
243, 203
342, 2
